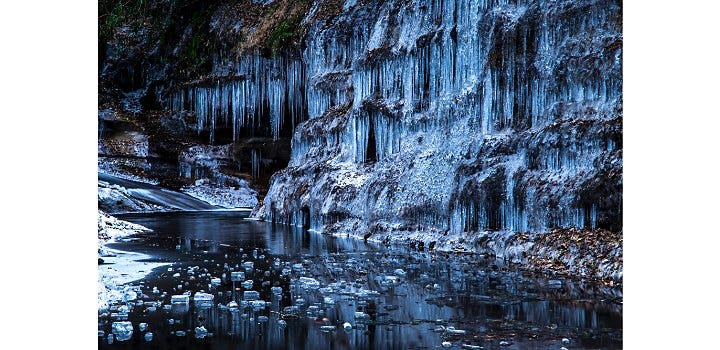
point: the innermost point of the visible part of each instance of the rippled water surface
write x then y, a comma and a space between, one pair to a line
321, 292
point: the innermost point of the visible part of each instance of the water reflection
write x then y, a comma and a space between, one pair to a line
309, 286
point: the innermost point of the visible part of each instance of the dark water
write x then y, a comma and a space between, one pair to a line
395, 309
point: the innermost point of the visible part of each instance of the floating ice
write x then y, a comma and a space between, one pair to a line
565, 341
200, 332
247, 284
327, 328
232, 305
388, 281
262, 319
248, 265
180, 299
142, 327
176, 275
257, 305
361, 315
452, 330
215, 281
400, 273
237, 276
203, 298
180, 333
251, 295
309, 283
282, 323
446, 344
329, 301
148, 336
110, 338
129, 295
276, 290
347, 326
122, 330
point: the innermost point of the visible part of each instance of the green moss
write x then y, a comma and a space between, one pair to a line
282, 35
114, 14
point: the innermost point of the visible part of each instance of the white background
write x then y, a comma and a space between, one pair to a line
48, 139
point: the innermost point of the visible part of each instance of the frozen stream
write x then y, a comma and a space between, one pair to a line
392, 298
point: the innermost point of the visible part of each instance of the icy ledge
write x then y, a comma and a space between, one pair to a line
223, 196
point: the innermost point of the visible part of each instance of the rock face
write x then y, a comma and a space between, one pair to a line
444, 120
454, 117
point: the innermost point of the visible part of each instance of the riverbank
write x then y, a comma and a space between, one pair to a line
117, 268
582, 254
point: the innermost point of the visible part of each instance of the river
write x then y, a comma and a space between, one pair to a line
312, 284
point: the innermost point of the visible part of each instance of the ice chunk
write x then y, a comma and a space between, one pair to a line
262, 319
237, 276
257, 305
247, 284
400, 273
130, 295
251, 295
309, 283
215, 281
452, 330
180, 299
122, 330
565, 341
347, 326
200, 332
282, 323
148, 336
232, 305
203, 298
446, 344
248, 265
142, 327
328, 301
180, 333
101, 334
110, 338
388, 281
361, 315
276, 290
176, 275
327, 328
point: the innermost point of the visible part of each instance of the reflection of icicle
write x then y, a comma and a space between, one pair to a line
256, 163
